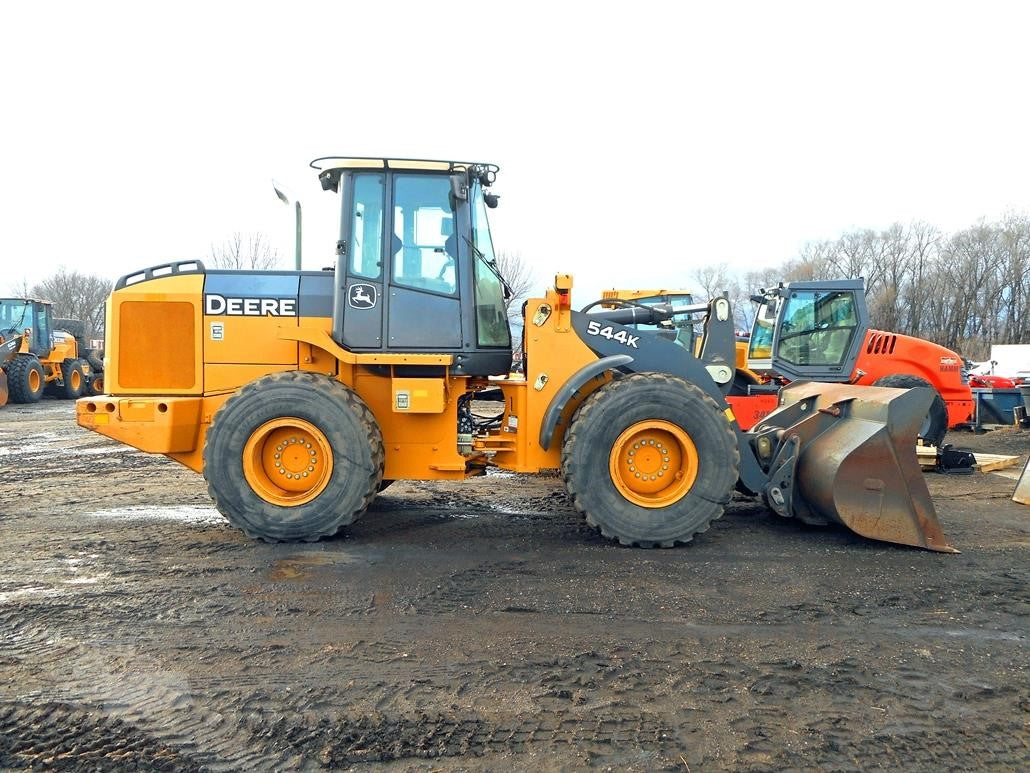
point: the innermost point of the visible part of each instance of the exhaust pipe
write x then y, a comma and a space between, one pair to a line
846, 454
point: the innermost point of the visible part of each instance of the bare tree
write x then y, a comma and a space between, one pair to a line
520, 279
76, 296
713, 280
252, 253
20, 289
966, 290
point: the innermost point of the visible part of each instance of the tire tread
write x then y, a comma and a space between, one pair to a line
581, 420
332, 389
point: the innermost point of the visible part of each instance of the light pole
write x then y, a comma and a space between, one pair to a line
285, 199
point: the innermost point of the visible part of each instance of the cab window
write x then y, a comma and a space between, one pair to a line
817, 327
424, 244
491, 314
760, 345
367, 226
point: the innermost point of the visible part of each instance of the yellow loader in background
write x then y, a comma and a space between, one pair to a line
298, 395
40, 354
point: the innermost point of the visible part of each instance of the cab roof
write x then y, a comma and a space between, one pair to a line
27, 300
330, 168
420, 164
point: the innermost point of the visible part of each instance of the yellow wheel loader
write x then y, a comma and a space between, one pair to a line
39, 354
299, 395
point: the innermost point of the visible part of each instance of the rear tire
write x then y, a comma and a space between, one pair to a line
935, 425
94, 385
95, 379
26, 379
670, 428
74, 377
293, 424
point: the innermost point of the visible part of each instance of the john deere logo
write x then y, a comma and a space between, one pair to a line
219, 305
362, 296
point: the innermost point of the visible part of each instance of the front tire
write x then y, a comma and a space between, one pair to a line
74, 377
26, 379
293, 456
650, 460
935, 425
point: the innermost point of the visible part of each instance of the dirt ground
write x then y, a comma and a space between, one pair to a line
482, 625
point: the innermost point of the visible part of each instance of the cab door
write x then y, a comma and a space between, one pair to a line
42, 330
424, 306
360, 275
819, 329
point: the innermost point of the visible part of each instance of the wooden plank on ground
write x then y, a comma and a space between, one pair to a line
927, 456
990, 462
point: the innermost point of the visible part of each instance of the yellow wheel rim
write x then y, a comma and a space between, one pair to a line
287, 461
34, 380
76, 380
653, 463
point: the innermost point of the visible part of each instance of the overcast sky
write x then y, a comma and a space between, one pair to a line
636, 141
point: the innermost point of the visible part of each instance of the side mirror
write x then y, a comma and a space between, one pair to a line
459, 187
491, 200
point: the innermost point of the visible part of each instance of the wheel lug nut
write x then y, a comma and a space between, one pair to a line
636, 474
281, 470
305, 475
665, 466
661, 473
632, 468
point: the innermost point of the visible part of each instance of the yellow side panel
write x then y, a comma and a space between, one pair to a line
153, 337
220, 377
420, 446
156, 350
248, 340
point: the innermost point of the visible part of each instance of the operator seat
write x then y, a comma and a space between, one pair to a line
833, 344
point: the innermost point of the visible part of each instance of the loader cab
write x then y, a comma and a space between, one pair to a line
416, 269
809, 330
17, 314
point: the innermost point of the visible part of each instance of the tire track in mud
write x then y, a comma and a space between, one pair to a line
156, 708
640, 737
60, 736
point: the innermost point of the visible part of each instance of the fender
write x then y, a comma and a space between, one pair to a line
571, 387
